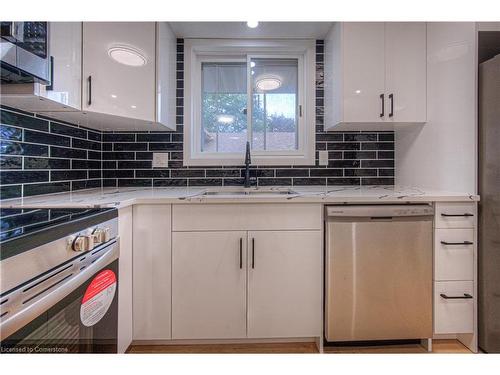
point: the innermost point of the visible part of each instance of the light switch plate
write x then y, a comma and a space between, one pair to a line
160, 160
323, 158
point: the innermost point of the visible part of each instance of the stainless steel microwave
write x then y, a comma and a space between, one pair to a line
24, 51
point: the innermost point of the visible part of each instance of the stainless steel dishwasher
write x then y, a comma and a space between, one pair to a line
378, 278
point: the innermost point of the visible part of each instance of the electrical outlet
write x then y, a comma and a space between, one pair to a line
160, 160
323, 158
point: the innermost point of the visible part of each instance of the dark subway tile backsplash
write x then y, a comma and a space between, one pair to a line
40, 155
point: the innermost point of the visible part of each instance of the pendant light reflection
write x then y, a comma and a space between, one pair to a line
225, 119
268, 83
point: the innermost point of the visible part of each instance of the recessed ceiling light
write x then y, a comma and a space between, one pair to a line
113, 96
252, 24
268, 83
133, 106
225, 119
127, 56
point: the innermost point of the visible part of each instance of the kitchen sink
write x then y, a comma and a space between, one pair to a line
249, 192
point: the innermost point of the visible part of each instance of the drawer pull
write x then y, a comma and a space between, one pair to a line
457, 215
456, 243
465, 296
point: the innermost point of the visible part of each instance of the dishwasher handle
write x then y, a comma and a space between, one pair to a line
380, 212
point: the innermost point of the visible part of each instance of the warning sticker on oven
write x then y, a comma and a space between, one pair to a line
98, 298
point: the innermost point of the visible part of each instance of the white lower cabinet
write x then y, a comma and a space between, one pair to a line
232, 278
453, 307
125, 279
453, 254
152, 272
208, 285
284, 284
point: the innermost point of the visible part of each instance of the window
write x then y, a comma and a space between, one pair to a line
261, 92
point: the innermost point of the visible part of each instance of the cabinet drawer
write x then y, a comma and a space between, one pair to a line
194, 217
454, 254
453, 315
455, 215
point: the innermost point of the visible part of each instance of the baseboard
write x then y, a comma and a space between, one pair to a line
225, 341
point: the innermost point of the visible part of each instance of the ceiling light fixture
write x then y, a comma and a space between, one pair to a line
252, 24
268, 83
225, 119
127, 56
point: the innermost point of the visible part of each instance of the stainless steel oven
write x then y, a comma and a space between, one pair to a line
24, 52
62, 295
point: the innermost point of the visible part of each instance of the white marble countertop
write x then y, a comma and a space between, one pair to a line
122, 197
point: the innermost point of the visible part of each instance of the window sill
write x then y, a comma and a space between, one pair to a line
256, 161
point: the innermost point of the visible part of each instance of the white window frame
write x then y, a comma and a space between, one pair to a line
197, 51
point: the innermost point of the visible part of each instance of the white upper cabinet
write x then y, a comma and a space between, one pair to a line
129, 73
64, 93
119, 69
127, 79
405, 71
375, 75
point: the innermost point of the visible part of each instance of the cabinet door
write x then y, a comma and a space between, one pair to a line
208, 285
362, 71
406, 71
152, 272
116, 88
125, 277
66, 51
284, 284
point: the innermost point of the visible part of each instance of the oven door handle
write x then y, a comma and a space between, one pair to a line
13, 323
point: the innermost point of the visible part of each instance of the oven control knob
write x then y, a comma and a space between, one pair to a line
82, 243
101, 235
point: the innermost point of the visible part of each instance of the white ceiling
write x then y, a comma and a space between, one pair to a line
301, 30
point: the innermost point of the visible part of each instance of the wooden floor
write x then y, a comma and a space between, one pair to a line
439, 346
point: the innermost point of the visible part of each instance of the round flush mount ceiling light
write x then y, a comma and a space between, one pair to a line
225, 119
268, 83
127, 56
252, 24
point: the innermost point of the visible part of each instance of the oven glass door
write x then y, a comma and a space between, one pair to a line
71, 325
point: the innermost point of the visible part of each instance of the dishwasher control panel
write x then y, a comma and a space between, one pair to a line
382, 210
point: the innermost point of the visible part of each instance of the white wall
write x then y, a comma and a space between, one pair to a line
442, 154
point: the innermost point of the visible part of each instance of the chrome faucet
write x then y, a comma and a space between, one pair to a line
247, 166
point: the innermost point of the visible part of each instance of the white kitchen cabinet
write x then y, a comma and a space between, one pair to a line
405, 71
64, 93
115, 88
125, 324
454, 254
284, 284
152, 272
455, 314
120, 96
208, 285
246, 271
375, 75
